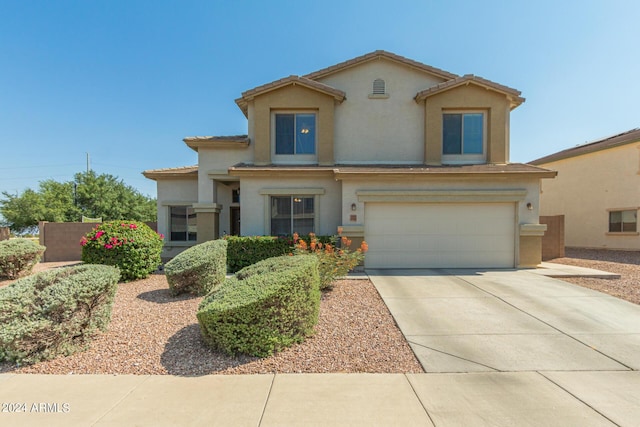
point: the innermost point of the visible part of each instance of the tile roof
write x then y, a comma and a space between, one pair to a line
291, 80
232, 141
377, 55
179, 172
394, 169
514, 94
623, 138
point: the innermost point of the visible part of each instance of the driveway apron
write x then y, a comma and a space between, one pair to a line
498, 320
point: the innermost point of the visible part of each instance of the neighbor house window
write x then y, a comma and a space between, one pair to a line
623, 221
182, 225
295, 133
292, 214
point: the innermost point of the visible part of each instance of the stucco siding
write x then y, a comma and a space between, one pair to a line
393, 125
587, 187
255, 202
173, 192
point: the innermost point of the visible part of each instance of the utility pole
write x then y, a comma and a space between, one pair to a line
88, 163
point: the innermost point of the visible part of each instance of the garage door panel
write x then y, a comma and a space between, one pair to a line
418, 235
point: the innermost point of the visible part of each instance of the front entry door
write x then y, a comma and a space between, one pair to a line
235, 220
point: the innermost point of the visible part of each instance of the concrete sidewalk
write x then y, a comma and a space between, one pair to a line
474, 399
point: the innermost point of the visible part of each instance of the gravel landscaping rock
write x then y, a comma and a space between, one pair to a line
625, 263
153, 333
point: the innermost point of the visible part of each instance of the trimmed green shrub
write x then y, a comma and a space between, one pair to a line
264, 308
246, 250
198, 270
18, 257
131, 246
55, 312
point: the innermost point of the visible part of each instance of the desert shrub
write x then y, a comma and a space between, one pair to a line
131, 246
199, 269
55, 312
243, 251
335, 260
18, 257
272, 305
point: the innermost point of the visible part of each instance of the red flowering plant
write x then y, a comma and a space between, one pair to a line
131, 246
336, 260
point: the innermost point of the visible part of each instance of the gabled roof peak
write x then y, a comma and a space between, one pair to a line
378, 54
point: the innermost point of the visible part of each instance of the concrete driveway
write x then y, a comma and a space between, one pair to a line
519, 337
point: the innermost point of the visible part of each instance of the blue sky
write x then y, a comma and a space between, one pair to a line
125, 81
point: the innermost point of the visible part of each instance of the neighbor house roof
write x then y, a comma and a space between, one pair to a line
623, 138
232, 141
378, 54
180, 172
287, 81
512, 94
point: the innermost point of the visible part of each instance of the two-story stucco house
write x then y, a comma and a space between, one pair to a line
411, 158
597, 191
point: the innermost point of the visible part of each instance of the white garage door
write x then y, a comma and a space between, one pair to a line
427, 235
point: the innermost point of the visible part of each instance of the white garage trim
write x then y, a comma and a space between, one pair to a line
440, 235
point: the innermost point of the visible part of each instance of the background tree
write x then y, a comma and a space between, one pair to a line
88, 194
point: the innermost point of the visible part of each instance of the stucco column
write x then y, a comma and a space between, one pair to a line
531, 245
208, 211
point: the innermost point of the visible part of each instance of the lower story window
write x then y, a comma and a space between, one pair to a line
183, 226
292, 214
623, 221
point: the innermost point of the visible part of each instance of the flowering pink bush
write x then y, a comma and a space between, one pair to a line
131, 246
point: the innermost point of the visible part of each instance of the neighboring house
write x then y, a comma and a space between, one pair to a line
411, 158
598, 192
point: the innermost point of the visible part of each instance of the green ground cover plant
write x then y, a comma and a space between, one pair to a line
18, 257
55, 312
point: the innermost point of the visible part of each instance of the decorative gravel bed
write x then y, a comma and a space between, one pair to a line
153, 333
625, 263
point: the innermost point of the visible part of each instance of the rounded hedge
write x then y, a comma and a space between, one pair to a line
264, 308
198, 270
131, 246
18, 257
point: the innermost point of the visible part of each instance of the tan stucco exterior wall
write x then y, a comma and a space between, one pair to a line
293, 97
378, 129
587, 187
174, 192
473, 98
255, 203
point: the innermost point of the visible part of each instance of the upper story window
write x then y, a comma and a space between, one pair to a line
295, 133
463, 137
623, 221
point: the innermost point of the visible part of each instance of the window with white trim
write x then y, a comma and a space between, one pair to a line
292, 214
182, 224
463, 137
623, 221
